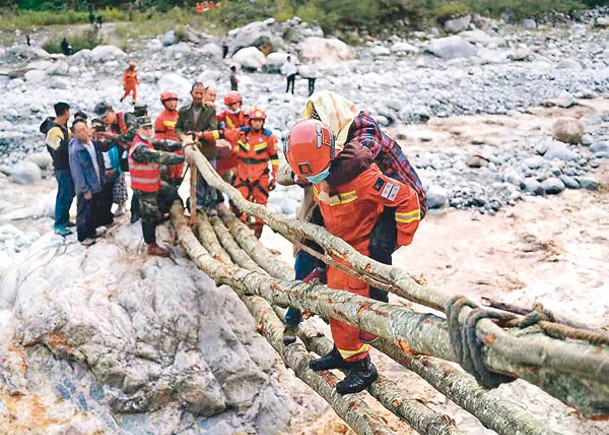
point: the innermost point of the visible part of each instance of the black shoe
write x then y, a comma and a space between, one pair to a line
134, 218
333, 360
289, 335
70, 224
362, 374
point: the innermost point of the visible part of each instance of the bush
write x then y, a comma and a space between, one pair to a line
88, 39
451, 9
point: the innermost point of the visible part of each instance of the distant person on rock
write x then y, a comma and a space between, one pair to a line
194, 119
165, 129
289, 69
91, 15
66, 48
57, 140
155, 196
87, 166
311, 75
130, 82
351, 193
234, 81
100, 20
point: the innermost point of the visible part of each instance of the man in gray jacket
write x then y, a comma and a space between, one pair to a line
87, 167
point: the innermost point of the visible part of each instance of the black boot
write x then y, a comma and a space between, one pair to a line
362, 374
333, 360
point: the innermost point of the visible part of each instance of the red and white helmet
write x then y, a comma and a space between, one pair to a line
309, 149
256, 112
167, 95
232, 97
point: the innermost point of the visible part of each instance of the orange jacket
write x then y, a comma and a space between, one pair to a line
254, 150
233, 120
165, 125
351, 210
130, 78
145, 176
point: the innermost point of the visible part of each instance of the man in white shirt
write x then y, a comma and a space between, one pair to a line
290, 70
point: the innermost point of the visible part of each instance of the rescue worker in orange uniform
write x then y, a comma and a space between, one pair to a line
155, 196
165, 128
254, 150
350, 211
232, 117
130, 83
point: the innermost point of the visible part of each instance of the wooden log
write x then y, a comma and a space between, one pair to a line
552, 361
354, 411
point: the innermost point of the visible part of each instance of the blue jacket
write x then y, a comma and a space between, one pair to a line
83, 171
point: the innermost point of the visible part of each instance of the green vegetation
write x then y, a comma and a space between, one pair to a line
147, 17
90, 39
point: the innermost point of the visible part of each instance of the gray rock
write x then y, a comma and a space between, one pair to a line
520, 53
250, 58
180, 47
103, 53
403, 48
169, 38
35, 76
600, 149
26, 173
552, 185
491, 56
560, 151
569, 64
154, 45
602, 22
532, 186
568, 130
458, 24
534, 162
329, 51
569, 182
476, 161
82, 56
176, 83
380, 50
528, 23
212, 50
587, 183
274, 61
42, 159
452, 47
437, 197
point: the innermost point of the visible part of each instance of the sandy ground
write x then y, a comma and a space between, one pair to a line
551, 250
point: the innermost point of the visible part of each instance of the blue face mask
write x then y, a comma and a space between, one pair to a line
316, 179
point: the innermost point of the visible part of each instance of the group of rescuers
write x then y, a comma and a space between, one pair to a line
357, 183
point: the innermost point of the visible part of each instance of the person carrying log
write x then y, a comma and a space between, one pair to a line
350, 205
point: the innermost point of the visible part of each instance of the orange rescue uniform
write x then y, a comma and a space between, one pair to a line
129, 83
165, 129
230, 120
253, 151
350, 212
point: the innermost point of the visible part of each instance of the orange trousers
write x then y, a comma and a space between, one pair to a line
128, 90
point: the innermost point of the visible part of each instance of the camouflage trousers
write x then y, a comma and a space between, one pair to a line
153, 206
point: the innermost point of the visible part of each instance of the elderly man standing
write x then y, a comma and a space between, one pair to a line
87, 166
195, 118
155, 196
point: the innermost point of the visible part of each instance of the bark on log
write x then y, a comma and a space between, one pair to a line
555, 362
352, 410
494, 412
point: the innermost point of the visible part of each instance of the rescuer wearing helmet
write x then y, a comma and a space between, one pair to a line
165, 128
232, 116
254, 150
130, 82
350, 211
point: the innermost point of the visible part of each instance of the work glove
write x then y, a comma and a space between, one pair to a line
318, 276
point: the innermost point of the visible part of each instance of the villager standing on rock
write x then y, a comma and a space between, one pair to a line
289, 69
350, 208
165, 129
66, 48
194, 119
234, 81
57, 139
155, 196
130, 82
87, 166
255, 150
310, 73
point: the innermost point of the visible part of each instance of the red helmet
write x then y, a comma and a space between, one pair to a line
256, 112
232, 97
168, 96
309, 149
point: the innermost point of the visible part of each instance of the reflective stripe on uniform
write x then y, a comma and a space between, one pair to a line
343, 198
245, 146
407, 217
168, 123
260, 146
351, 353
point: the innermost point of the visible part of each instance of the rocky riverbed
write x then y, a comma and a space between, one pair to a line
508, 126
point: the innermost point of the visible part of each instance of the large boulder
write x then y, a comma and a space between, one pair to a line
452, 47
274, 61
42, 159
403, 48
102, 53
437, 197
169, 38
26, 52
35, 76
82, 56
329, 51
568, 130
457, 24
250, 58
26, 173
211, 50
258, 34
175, 83
560, 151
140, 344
